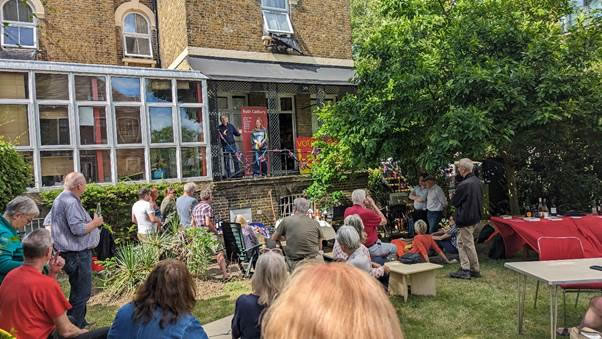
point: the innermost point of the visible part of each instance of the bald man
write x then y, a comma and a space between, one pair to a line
75, 234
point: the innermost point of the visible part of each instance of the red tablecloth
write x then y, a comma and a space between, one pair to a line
518, 232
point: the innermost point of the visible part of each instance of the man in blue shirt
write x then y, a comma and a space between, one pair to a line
227, 132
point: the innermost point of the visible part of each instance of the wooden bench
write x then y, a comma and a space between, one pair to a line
421, 277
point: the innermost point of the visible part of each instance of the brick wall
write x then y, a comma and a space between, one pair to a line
172, 29
323, 27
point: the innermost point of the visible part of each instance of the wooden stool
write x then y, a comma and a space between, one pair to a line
420, 276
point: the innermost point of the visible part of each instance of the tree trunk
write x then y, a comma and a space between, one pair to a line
511, 185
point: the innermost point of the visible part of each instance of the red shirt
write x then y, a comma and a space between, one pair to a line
370, 219
423, 243
29, 301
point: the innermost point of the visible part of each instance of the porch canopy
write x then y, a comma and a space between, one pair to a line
275, 72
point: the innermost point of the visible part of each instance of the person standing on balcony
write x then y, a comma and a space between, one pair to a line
436, 202
75, 234
227, 132
259, 142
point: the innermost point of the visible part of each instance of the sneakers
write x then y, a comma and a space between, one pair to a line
460, 274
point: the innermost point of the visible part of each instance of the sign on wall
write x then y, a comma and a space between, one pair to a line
249, 117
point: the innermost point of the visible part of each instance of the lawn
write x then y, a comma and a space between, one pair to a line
480, 308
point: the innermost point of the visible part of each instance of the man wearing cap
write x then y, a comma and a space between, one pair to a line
436, 202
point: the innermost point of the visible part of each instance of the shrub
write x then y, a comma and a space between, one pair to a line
15, 173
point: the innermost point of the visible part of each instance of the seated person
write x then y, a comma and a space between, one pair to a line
33, 305
271, 274
349, 241
161, 307
423, 243
591, 326
447, 239
355, 221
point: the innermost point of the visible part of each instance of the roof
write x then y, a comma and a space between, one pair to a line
262, 71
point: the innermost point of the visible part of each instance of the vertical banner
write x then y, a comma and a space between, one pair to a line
304, 153
249, 116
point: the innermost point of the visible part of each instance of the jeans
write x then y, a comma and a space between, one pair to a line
230, 153
78, 266
260, 163
447, 246
434, 217
383, 249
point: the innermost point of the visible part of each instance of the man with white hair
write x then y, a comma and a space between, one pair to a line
468, 201
186, 203
302, 233
372, 217
75, 234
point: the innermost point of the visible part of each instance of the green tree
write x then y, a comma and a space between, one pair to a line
439, 80
15, 173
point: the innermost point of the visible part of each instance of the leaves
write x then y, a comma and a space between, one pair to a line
15, 173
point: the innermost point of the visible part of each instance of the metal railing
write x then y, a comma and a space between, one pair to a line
254, 164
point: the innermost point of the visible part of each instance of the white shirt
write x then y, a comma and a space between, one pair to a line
141, 210
435, 199
420, 193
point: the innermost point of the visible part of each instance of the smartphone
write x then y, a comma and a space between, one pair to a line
596, 267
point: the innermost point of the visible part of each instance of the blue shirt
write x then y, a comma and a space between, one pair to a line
124, 326
245, 323
69, 219
184, 206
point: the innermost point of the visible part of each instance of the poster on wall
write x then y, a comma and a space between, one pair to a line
249, 117
305, 153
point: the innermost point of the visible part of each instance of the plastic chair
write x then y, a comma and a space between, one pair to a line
236, 249
561, 248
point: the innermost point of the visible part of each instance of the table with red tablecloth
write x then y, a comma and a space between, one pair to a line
517, 232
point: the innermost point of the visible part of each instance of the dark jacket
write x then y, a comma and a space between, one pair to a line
468, 201
228, 133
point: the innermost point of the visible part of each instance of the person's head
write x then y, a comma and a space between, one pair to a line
271, 274
154, 194
420, 227
169, 287
170, 192
421, 181
258, 123
429, 181
20, 211
465, 166
224, 119
37, 246
356, 222
241, 220
144, 194
349, 239
301, 206
190, 188
206, 195
323, 301
358, 197
75, 182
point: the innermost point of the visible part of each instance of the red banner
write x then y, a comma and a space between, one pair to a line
249, 116
304, 153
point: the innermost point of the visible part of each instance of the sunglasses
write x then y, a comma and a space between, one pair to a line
268, 250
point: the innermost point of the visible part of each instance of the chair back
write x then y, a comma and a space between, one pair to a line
233, 241
559, 248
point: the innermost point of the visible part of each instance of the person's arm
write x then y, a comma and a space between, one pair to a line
377, 270
441, 236
415, 197
134, 221
77, 224
280, 231
459, 196
423, 252
210, 224
65, 328
6, 254
372, 205
236, 131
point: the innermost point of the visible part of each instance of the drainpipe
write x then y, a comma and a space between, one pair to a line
156, 10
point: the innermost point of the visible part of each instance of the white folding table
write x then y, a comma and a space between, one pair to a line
553, 273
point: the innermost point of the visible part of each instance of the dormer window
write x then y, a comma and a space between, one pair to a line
19, 25
137, 36
276, 18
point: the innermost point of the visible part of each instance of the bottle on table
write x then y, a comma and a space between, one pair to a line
540, 212
553, 210
546, 211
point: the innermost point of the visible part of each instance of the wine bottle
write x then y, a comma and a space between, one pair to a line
540, 212
553, 210
546, 211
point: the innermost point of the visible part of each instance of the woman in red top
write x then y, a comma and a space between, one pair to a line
423, 243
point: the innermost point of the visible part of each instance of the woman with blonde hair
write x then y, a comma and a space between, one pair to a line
325, 301
271, 274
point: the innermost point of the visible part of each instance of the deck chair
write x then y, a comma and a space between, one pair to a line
560, 248
236, 250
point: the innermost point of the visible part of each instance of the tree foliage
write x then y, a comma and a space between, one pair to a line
439, 80
15, 173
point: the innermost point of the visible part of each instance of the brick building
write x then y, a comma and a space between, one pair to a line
133, 90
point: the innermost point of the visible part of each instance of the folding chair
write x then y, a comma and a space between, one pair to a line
236, 249
561, 248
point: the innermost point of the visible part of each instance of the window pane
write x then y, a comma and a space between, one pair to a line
13, 85
125, 89
55, 165
129, 24
141, 25
14, 126
161, 124
286, 104
10, 11
238, 102
143, 46
92, 125
191, 119
25, 13
26, 36
158, 90
130, 164
28, 157
11, 35
127, 120
54, 125
52, 86
274, 3
190, 91
277, 22
194, 162
95, 165
163, 163
90, 88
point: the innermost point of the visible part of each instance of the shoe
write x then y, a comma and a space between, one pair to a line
460, 274
475, 274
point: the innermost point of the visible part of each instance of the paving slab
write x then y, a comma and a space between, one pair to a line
220, 329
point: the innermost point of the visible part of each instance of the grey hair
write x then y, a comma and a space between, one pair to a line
356, 222
36, 243
21, 205
301, 205
73, 179
190, 188
358, 196
271, 274
420, 227
348, 237
466, 164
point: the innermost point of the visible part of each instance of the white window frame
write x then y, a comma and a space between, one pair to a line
10, 23
148, 36
275, 10
278, 9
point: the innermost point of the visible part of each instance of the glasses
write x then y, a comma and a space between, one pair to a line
268, 250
